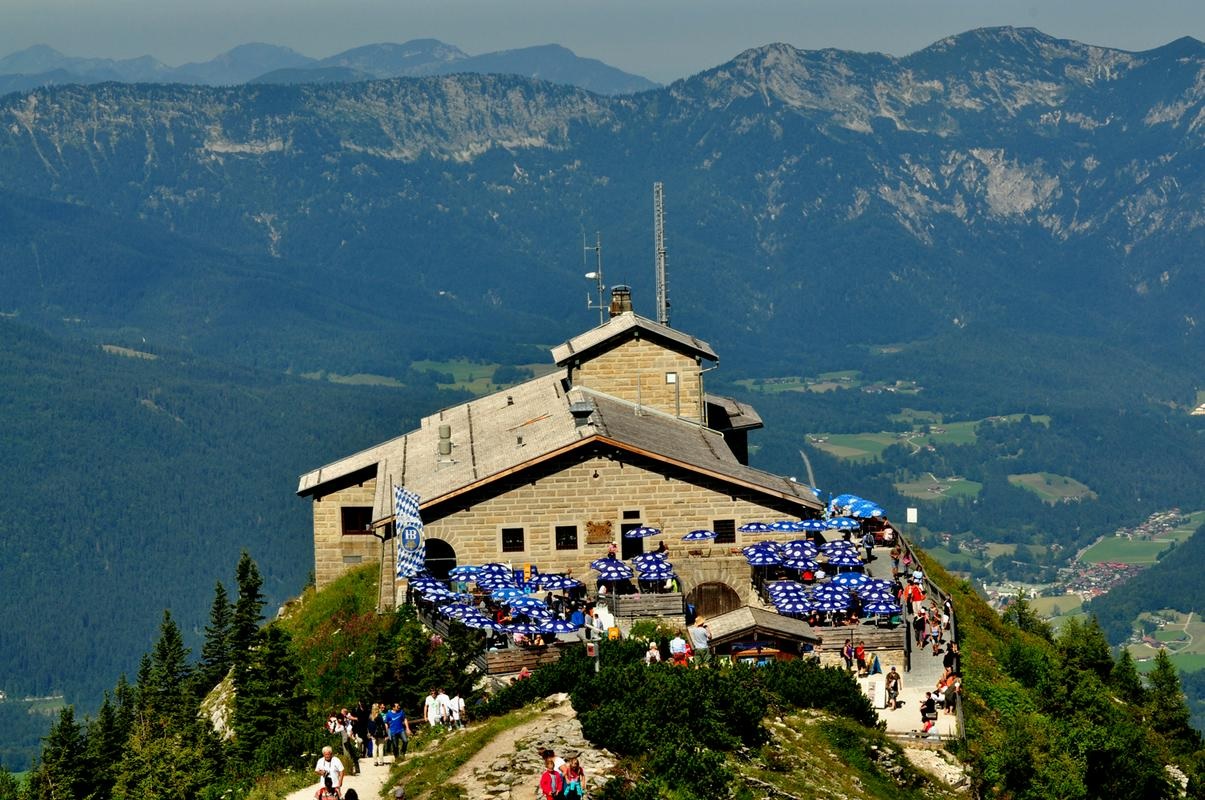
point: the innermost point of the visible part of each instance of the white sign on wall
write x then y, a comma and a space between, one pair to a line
911, 516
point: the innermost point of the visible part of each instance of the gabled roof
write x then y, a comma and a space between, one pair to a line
512, 429
746, 620
629, 324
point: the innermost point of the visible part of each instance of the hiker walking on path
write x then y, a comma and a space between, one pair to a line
330, 772
399, 730
348, 736
431, 709
552, 782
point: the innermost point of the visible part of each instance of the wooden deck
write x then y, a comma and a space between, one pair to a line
513, 659
648, 606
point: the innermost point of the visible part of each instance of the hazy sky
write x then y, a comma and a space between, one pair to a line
661, 39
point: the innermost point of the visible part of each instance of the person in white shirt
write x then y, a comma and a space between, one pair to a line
445, 707
330, 772
456, 711
431, 709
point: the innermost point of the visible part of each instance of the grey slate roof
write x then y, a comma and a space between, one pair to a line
622, 325
735, 624
502, 432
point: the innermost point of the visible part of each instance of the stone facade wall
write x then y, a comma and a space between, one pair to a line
587, 489
334, 552
636, 371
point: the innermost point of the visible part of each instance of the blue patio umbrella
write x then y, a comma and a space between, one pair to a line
506, 592
783, 526
699, 535
554, 582
866, 510
657, 575
831, 604
615, 571
427, 583
844, 560
524, 603
801, 564
558, 626
458, 610
465, 571
778, 586
793, 606
755, 527
805, 546
525, 628
881, 607
813, 525
830, 590
843, 524
495, 569
645, 559
481, 622
762, 547
763, 558
838, 545
437, 592
850, 578
496, 581
641, 532
874, 595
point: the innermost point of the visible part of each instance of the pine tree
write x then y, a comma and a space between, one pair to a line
106, 741
165, 693
269, 718
1167, 708
1126, 680
9, 788
60, 773
248, 610
215, 653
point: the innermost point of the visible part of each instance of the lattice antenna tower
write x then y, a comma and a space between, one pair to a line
659, 247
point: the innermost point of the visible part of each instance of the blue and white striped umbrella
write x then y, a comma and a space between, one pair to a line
850, 578
793, 606
813, 525
641, 532
558, 626
644, 559
843, 524
506, 592
881, 607
763, 558
699, 535
755, 527
845, 560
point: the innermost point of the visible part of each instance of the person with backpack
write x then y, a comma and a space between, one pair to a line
552, 782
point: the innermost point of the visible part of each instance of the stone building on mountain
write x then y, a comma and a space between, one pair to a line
548, 472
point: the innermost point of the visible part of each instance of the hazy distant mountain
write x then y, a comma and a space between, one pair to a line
41, 65
416, 57
241, 64
551, 62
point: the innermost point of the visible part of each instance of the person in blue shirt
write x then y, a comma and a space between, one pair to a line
399, 730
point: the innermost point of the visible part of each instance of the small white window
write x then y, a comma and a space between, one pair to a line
671, 377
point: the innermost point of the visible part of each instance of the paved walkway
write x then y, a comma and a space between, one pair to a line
368, 784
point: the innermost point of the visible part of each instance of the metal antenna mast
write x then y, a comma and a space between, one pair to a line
597, 275
659, 246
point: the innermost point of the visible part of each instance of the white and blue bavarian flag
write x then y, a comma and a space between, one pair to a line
411, 552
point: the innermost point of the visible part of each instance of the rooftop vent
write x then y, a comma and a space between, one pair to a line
621, 300
581, 411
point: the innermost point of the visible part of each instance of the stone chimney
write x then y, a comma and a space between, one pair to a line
621, 300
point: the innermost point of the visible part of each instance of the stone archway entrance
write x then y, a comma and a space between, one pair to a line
713, 598
441, 558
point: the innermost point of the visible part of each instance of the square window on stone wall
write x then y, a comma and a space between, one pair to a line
566, 537
725, 531
512, 540
356, 519
631, 515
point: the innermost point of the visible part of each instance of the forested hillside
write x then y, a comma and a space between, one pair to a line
132, 484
